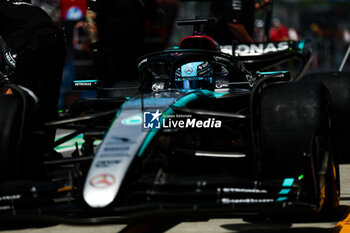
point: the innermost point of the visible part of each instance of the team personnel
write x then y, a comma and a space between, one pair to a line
116, 33
235, 20
39, 46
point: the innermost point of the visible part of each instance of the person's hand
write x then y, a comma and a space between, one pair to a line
239, 31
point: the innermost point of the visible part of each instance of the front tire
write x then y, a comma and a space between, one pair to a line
294, 138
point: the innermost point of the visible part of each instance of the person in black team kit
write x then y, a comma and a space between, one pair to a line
38, 65
40, 49
116, 32
235, 20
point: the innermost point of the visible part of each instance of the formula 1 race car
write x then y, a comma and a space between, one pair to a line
209, 134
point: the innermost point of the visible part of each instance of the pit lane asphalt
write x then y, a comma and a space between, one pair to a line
339, 222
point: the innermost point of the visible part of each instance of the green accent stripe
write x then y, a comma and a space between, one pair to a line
288, 182
71, 143
274, 72
301, 44
213, 94
84, 81
280, 199
284, 191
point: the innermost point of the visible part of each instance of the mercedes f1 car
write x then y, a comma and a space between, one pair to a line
209, 134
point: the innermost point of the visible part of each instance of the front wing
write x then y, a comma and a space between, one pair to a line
174, 196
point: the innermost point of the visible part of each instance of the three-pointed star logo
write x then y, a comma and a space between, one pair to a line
102, 181
156, 115
188, 70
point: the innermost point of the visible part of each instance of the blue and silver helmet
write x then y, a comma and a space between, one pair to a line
194, 75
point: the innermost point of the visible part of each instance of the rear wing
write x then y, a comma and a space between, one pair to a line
262, 56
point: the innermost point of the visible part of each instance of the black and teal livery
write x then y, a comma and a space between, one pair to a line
234, 135
228, 169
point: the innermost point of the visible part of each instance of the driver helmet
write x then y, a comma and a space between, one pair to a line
194, 75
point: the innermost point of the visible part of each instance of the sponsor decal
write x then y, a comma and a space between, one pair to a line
188, 70
6, 207
133, 120
81, 84
113, 155
241, 190
260, 49
251, 79
124, 148
237, 5
102, 181
10, 197
158, 86
222, 84
11, 58
106, 163
122, 140
217, 58
22, 3
226, 49
245, 201
114, 140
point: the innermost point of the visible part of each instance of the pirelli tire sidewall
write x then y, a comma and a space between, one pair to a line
292, 116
